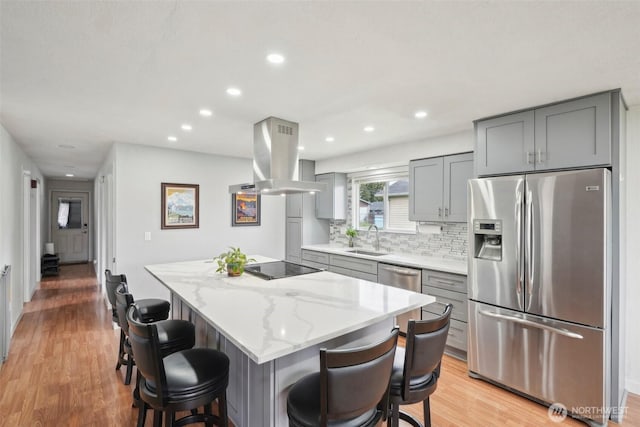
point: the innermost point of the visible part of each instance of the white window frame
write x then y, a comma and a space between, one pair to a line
388, 174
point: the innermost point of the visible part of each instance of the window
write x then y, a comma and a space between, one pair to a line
69, 213
383, 201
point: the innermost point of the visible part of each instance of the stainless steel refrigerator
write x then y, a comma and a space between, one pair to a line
539, 286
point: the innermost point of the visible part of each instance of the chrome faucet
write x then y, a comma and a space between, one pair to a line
377, 245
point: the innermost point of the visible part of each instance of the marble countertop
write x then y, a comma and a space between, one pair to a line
268, 319
432, 263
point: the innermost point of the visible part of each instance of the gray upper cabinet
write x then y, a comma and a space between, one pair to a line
458, 169
332, 203
569, 134
573, 134
505, 144
426, 189
438, 188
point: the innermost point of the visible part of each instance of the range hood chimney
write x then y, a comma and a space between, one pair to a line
275, 161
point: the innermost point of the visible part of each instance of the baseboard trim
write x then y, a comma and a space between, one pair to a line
633, 386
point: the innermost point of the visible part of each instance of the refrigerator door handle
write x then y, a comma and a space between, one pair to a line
518, 234
526, 322
529, 246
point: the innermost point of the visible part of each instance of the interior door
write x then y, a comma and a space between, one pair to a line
566, 245
70, 225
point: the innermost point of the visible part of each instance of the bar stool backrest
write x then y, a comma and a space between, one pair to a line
145, 345
425, 344
354, 381
123, 301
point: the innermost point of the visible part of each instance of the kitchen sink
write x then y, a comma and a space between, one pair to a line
363, 252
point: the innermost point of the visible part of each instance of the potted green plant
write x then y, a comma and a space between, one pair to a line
232, 261
351, 233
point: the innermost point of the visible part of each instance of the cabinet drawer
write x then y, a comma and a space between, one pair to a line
353, 263
458, 300
354, 273
318, 257
442, 280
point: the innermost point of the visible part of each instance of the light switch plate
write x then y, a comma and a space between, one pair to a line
147, 235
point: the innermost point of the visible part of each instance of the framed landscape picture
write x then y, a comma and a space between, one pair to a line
180, 206
245, 209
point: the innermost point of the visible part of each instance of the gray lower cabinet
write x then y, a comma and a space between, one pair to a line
354, 267
315, 259
570, 134
448, 288
438, 188
293, 244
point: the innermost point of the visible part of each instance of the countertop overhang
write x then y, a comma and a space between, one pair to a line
268, 319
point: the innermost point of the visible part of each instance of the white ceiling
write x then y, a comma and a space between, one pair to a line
88, 74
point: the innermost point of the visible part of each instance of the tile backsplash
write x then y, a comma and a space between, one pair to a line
446, 240
450, 242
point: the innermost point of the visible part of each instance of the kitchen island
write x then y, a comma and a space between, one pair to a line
272, 330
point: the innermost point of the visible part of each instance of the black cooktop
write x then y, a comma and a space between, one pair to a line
278, 269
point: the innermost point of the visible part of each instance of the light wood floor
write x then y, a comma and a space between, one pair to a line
60, 371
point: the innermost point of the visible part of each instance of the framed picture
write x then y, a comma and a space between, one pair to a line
180, 206
245, 209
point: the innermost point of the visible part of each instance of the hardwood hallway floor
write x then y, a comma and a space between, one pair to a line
60, 371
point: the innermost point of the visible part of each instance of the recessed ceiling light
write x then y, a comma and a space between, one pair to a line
300, 148
266, 190
172, 138
186, 127
66, 146
275, 58
420, 114
70, 175
369, 129
329, 139
312, 192
234, 91
282, 194
206, 113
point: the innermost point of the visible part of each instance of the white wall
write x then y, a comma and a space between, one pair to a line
139, 171
398, 154
633, 251
13, 161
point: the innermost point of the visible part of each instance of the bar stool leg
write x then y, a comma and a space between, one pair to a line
120, 350
222, 409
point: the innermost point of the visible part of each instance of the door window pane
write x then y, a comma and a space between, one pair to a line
69, 214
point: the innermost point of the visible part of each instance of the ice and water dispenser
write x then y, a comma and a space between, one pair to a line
488, 239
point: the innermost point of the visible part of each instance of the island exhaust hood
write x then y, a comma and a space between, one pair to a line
275, 161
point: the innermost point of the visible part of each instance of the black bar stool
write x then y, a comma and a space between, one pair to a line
181, 381
154, 309
351, 389
175, 335
417, 367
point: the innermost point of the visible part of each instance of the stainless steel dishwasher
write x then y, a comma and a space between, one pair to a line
403, 278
